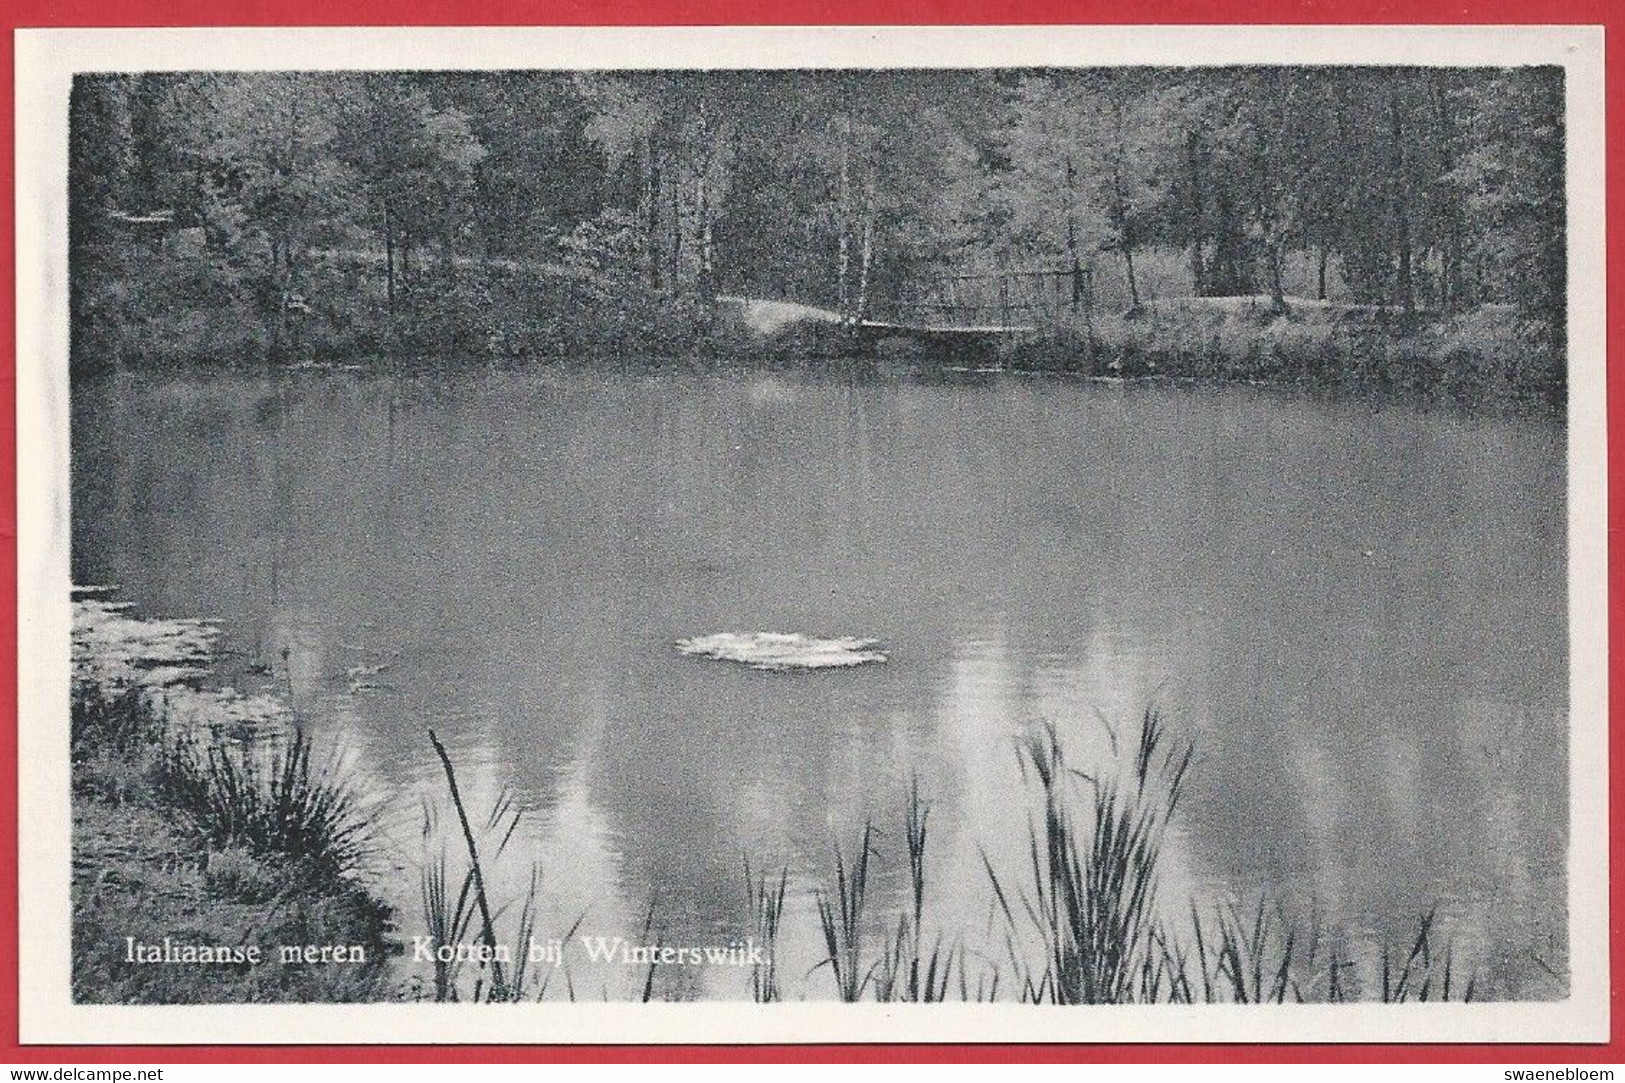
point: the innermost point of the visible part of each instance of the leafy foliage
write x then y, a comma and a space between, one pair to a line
539, 212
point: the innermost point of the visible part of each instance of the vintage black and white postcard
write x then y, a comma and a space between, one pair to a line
827, 534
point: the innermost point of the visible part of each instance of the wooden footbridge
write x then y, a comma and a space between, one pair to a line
966, 313
770, 318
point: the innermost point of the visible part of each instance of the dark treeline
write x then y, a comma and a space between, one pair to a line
245, 216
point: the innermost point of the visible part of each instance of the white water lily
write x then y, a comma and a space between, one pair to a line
780, 650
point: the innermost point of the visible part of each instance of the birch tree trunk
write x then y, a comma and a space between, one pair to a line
868, 255
446, 231
1451, 285
1074, 258
702, 203
282, 262
1402, 224
649, 210
1122, 211
675, 274
844, 213
389, 255
1193, 165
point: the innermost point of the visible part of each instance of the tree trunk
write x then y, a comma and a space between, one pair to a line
1402, 225
844, 213
1199, 284
1122, 211
675, 272
1277, 288
279, 293
702, 203
389, 256
867, 258
289, 230
380, 155
1223, 273
446, 231
708, 271
1074, 257
282, 261
1451, 273
1269, 205
1133, 283
651, 210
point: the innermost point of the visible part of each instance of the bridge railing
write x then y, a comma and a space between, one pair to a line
1001, 298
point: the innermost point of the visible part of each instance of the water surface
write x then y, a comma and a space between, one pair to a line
1357, 611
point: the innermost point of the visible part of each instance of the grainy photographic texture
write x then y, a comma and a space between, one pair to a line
1032, 535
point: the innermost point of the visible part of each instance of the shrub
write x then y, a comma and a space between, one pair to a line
115, 723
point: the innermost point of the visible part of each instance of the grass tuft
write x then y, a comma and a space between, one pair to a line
907, 971
266, 797
107, 721
840, 914
1092, 894
766, 914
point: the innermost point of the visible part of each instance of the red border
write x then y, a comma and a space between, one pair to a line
45, 13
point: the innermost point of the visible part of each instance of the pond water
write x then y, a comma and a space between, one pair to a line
1356, 611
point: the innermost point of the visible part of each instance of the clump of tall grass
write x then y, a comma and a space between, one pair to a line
840, 915
766, 899
1247, 961
113, 735
907, 971
1092, 895
1091, 899
119, 721
269, 798
1414, 978
1261, 956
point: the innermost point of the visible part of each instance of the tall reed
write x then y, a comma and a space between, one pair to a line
1253, 959
1092, 895
906, 971
648, 993
766, 899
840, 915
1415, 977
447, 918
476, 874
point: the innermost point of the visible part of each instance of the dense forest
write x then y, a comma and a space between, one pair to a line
234, 218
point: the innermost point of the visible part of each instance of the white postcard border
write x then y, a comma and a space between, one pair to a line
45, 63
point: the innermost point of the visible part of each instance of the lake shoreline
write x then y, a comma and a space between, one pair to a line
1491, 357
473, 317
178, 896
